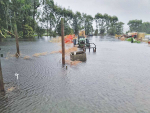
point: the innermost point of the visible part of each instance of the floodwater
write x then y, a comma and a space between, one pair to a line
115, 79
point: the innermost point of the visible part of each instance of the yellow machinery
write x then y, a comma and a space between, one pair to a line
82, 33
117, 35
141, 35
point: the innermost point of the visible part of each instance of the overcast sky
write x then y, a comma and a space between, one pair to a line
125, 10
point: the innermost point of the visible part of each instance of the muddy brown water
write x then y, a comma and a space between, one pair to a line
115, 79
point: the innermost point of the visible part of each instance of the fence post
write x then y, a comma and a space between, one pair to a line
17, 43
62, 41
16, 37
1, 78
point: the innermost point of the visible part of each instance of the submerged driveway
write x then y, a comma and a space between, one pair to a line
115, 79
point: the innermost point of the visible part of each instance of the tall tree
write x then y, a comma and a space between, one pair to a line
52, 21
119, 28
135, 25
35, 6
58, 14
77, 21
48, 8
107, 22
113, 23
146, 27
87, 22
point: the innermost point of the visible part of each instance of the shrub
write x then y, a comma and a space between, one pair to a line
8, 36
28, 32
54, 34
20, 34
40, 31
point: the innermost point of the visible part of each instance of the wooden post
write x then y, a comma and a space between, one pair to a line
1, 79
16, 37
17, 44
62, 41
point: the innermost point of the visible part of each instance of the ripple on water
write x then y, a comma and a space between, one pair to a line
115, 79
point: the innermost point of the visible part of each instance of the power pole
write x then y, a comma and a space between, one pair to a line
1, 79
62, 41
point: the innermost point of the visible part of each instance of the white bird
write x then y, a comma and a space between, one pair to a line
16, 74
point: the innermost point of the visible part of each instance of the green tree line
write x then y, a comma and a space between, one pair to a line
108, 24
36, 17
139, 26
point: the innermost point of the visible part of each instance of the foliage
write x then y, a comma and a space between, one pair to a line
28, 32
40, 31
67, 29
112, 31
96, 32
54, 34
29, 19
21, 34
146, 27
119, 28
135, 25
77, 21
139, 26
87, 23
106, 23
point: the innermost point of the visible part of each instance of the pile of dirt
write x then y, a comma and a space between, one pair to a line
67, 51
10, 89
27, 57
40, 54
72, 62
8, 55
122, 38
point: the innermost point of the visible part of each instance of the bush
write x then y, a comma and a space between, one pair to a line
54, 34
40, 31
20, 34
28, 32
102, 31
8, 36
96, 32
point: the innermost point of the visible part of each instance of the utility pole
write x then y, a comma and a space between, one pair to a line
62, 41
1, 78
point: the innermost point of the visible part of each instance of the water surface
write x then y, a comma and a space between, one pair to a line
115, 79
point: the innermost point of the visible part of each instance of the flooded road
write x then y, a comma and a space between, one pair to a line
115, 79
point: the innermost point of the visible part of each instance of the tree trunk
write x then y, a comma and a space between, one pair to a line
11, 25
6, 17
47, 24
50, 28
47, 28
23, 26
34, 17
